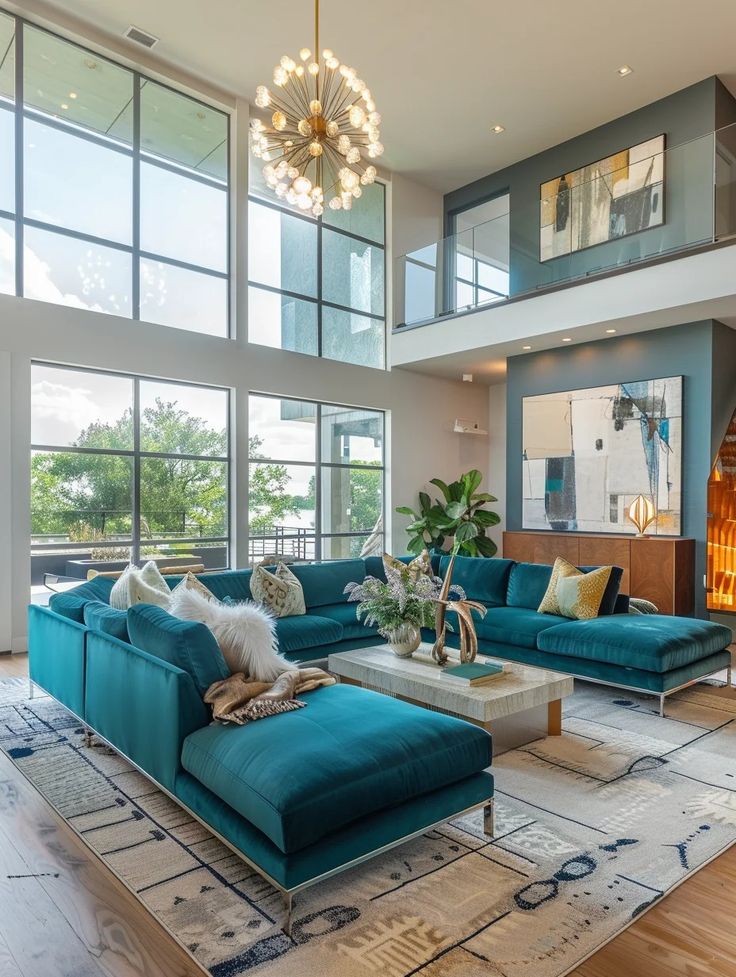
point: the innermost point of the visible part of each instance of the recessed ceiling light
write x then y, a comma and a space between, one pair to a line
72, 94
497, 129
64, 105
610, 331
566, 339
526, 347
624, 70
468, 377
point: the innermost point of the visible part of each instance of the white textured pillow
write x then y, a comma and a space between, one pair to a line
245, 633
135, 586
279, 591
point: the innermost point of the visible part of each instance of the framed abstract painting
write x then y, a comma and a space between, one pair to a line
587, 454
609, 199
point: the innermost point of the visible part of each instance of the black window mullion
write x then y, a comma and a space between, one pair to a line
18, 156
136, 292
136, 548
319, 289
318, 486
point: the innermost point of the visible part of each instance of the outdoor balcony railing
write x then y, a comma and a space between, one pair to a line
627, 209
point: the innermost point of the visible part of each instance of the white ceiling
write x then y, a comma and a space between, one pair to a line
443, 73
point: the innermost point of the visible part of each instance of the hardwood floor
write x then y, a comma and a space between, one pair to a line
62, 911
64, 914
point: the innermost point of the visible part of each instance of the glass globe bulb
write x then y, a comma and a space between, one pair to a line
303, 201
347, 201
318, 210
370, 105
357, 192
335, 203
292, 172
317, 193
299, 71
343, 144
313, 68
281, 169
263, 97
332, 129
332, 63
291, 196
378, 147
287, 63
281, 189
353, 155
278, 121
305, 54
304, 128
315, 148
302, 185
315, 107
327, 53
356, 116
374, 134
280, 77
348, 178
374, 118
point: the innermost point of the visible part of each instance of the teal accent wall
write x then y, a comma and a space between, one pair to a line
683, 117
703, 353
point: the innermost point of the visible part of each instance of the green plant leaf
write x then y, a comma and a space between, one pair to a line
425, 503
466, 531
485, 517
456, 490
443, 487
471, 480
468, 548
484, 497
486, 546
455, 510
416, 544
405, 510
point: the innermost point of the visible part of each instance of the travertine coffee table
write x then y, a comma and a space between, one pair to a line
523, 704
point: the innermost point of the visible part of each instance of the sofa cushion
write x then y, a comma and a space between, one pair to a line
189, 645
528, 584
653, 643
515, 625
324, 583
300, 775
306, 631
346, 615
482, 578
101, 617
374, 564
71, 603
229, 583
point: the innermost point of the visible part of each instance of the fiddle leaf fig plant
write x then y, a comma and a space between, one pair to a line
459, 518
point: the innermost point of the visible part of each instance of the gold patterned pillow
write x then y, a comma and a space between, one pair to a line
420, 566
572, 593
279, 591
190, 582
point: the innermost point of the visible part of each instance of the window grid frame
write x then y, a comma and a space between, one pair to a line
318, 300
318, 465
136, 454
134, 152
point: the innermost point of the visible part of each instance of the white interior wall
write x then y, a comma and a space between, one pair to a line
497, 457
421, 443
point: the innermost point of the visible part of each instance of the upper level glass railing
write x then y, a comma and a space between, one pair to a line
638, 205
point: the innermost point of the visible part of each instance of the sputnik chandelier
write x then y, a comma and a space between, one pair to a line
324, 128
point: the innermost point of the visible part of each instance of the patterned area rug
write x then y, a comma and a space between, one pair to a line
592, 828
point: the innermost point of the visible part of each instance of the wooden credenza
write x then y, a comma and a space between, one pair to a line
658, 568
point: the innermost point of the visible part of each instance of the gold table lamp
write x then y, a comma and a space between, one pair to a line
642, 513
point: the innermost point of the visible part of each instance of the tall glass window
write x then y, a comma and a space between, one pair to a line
316, 484
318, 286
113, 188
125, 468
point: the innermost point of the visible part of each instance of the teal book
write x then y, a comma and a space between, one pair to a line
473, 673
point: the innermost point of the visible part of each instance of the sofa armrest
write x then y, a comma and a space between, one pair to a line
142, 705
56, 660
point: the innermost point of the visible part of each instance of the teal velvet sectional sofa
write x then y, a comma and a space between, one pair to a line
305, 794
299, 796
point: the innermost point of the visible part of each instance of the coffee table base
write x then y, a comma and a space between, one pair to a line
508, 732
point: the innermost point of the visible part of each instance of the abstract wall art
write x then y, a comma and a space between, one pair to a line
587, 454
611, 198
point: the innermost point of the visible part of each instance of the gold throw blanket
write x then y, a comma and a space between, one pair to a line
239, 699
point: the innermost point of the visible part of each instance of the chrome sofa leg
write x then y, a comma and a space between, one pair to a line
289, 906
661, 704
30, 688
728, 677
88, 737
488, 827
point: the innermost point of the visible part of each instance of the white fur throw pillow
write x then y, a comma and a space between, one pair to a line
245, 633
144, 586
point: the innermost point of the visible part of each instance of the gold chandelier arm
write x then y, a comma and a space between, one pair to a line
316, 41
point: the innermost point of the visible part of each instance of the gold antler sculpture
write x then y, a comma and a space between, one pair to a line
464, 610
